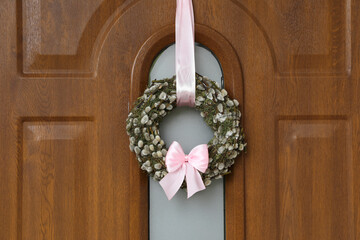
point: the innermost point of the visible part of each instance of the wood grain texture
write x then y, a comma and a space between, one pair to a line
72, 178
59, 190
315, 177
293, 65
300, 104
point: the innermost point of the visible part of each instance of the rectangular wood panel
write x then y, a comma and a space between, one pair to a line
315, 180
64, 38
57, 37
316, 36
58, 183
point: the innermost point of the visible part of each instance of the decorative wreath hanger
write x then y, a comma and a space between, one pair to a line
172, 167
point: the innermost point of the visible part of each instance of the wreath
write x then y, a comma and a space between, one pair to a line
219, 112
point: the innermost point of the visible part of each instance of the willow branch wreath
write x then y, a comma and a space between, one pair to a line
221, 114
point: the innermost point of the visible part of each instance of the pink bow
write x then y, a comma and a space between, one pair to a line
179, 165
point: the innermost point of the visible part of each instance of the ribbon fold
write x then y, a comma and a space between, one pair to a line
185, 53
180, 166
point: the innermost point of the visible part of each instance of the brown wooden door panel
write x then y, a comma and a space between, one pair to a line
59, 191
301, 119
69, 72
64, 152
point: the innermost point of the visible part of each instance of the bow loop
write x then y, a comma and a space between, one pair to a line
176, 159
180, 165
199, 157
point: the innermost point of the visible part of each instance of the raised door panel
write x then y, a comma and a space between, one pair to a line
58, 180
315, 179
310, 38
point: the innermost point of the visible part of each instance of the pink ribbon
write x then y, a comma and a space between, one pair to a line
185, 53
179, 165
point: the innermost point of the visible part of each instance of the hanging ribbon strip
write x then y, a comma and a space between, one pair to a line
179, 165
185, 53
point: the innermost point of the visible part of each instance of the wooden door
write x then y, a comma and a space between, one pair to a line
69, 71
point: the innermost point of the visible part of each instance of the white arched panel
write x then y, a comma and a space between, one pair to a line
201, 216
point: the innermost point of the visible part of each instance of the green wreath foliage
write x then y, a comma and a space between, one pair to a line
221, 114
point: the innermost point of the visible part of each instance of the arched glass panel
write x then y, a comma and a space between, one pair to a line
201, 216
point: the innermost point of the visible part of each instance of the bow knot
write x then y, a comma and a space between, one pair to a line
179, 165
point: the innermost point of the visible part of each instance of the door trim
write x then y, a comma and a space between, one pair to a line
233, 81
